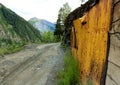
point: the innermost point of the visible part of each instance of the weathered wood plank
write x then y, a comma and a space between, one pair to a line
116, 14
114, 72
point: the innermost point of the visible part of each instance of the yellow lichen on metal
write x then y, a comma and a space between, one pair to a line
89, 41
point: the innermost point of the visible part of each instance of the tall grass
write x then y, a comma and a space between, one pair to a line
10, 49
70, 74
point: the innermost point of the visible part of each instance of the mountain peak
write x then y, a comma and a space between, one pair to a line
42, 24
34, 19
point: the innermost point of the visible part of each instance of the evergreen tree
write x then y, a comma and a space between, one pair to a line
63, 13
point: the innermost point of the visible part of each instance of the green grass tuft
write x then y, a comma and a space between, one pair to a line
10, 49
70, 74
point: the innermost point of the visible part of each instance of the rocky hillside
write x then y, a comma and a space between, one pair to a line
14, 28
42, 25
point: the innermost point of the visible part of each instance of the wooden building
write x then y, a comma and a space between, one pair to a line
93, 31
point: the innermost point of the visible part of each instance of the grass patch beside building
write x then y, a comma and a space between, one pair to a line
70, 74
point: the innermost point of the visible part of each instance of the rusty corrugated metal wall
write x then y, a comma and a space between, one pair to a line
89, 41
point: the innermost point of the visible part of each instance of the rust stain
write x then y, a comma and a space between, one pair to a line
91, 33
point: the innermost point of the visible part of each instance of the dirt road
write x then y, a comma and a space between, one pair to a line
35, 65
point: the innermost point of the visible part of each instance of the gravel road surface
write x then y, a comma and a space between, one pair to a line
34, 65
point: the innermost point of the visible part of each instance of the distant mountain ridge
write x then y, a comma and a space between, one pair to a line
14, 29
42, 25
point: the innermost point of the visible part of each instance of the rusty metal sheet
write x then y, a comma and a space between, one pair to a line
91, 33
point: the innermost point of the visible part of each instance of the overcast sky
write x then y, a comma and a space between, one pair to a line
43, 9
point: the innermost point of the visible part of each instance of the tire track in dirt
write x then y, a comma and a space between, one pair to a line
45, 60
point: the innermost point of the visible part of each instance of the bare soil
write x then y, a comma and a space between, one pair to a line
35, 65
